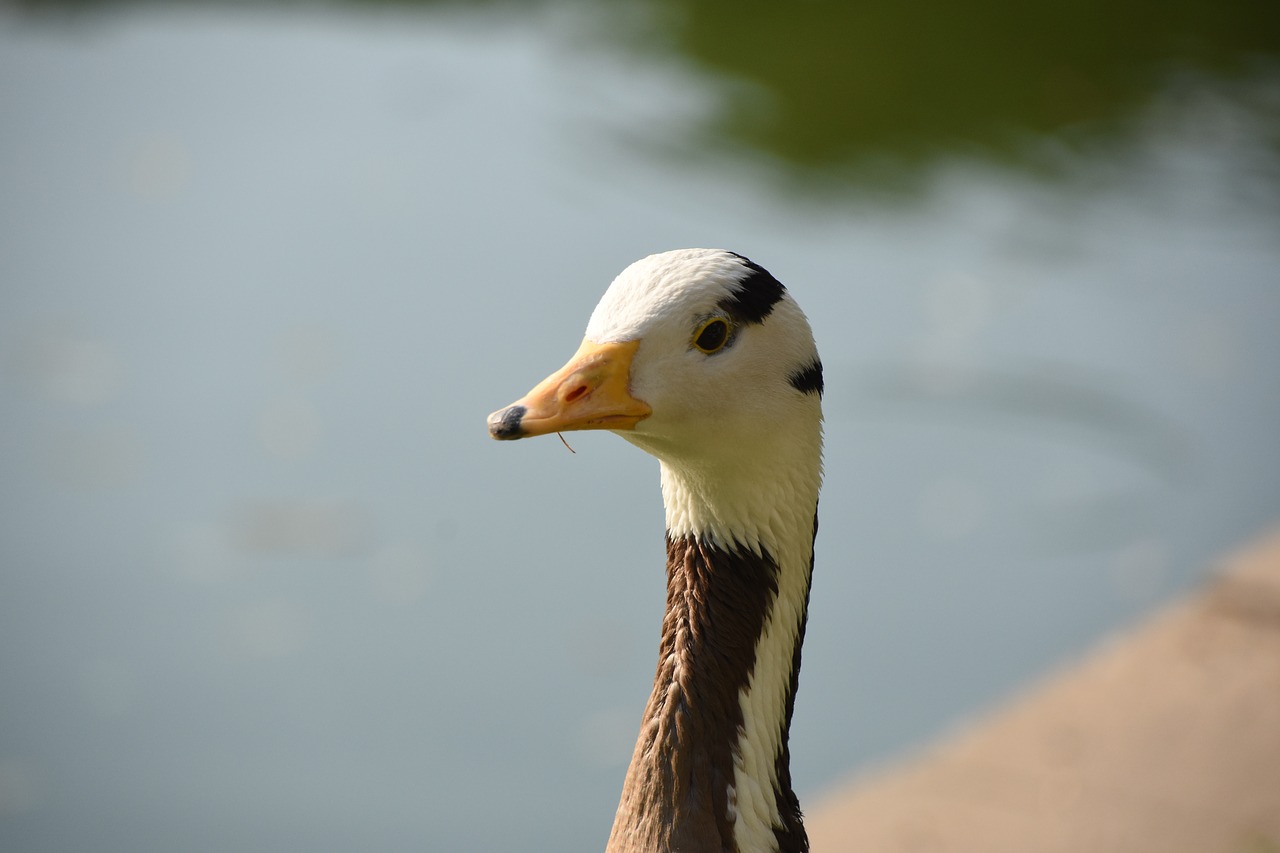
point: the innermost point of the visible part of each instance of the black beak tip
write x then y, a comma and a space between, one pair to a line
505, 425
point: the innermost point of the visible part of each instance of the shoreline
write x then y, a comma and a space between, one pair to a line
1165, 737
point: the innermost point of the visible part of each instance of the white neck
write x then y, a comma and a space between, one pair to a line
762, 496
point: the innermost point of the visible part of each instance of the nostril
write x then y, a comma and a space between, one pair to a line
578, 392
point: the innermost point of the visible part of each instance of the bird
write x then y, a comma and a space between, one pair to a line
704, 359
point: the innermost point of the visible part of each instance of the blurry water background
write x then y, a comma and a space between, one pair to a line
265, 583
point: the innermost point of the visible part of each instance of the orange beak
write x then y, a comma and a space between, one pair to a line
592, 391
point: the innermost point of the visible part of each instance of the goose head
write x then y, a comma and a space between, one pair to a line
698, 356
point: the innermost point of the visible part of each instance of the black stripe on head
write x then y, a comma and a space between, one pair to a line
756, 294
808, 379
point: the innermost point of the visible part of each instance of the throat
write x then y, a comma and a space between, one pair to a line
710, 769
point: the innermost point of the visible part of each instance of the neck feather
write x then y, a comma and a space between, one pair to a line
711, 766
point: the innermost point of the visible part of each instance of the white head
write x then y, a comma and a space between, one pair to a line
724, 351
703, 359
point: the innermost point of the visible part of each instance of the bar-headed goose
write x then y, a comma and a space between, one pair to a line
703, 359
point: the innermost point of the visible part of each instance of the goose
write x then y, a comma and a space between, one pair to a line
704, 360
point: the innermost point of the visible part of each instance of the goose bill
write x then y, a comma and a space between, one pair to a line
592, 391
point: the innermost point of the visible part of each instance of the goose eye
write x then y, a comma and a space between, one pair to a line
712, 336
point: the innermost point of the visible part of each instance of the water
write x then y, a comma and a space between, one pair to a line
267, 584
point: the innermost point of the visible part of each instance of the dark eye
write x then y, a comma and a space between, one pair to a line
712, 336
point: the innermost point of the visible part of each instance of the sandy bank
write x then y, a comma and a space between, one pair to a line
1165, 739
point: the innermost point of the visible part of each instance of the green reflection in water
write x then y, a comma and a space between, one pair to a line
877, 91
837, 83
